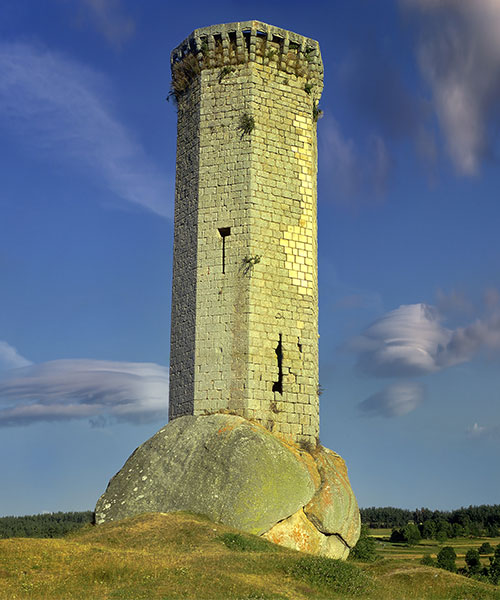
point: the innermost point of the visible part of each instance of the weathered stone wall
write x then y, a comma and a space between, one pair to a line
245, 329
183, 327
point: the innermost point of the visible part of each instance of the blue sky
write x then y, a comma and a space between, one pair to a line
409, 252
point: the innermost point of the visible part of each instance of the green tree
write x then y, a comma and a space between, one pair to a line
397, 536
444, 527
473, 561
428, 529
485, 548
411, 534
494, 570
446, 559
441, 536
458, 530
475, 529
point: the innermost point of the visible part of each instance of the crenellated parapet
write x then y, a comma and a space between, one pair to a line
228, 45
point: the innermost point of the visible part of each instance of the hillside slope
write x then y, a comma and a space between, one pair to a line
184, 556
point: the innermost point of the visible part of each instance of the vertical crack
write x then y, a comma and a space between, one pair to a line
278, 385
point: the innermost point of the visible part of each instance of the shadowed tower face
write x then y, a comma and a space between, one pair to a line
244, 333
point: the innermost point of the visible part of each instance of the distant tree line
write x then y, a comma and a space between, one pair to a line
411, 526
49, 525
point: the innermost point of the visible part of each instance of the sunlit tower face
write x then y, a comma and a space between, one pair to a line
244, 333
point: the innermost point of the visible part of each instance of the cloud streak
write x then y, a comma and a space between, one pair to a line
394, 401
459, 57
411, 341
354, 174
100, 391
57, 107
10, 357
108, 19
404, 342
487, 432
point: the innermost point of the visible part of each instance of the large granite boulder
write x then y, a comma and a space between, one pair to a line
333, 509
299, 533
238, 473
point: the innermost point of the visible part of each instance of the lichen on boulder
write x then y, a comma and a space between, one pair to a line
223, 466
238, 473
333, 509
299, 533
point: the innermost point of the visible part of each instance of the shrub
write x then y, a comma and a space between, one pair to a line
366, 548
247, 124
494, 570
485, 548
428, 561
473, 561
446, 559
336, 575
410, 534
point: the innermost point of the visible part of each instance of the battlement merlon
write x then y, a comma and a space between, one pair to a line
231, 44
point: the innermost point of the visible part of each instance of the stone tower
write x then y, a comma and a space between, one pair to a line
244, 333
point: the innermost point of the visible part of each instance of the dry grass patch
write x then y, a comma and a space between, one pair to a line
182, 556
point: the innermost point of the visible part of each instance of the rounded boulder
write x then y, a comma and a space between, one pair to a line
223, 466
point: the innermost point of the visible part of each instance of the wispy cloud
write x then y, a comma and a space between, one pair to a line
394, 401
10, 357
411, 341
459, 56
489, 432
99, 391
357, 177
404, 342
454, 302
59, 108
109, 19
377, 92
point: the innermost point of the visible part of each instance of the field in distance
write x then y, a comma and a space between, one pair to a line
387, 549
184, 556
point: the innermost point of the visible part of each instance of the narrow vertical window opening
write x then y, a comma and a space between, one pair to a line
278, 385
224, 232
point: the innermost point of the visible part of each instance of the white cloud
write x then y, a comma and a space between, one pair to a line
491, 432
459, 55
403, 342
57, 108
84, 388
108, 19
394, 401
410, 341
10, 357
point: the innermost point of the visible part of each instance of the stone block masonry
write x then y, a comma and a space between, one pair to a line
244, 335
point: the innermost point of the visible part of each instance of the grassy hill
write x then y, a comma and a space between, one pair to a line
183, 556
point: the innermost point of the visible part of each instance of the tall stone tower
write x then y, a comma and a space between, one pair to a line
244, 333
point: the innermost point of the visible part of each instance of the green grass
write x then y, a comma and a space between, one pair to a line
330, 575
183, 556
246, 543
